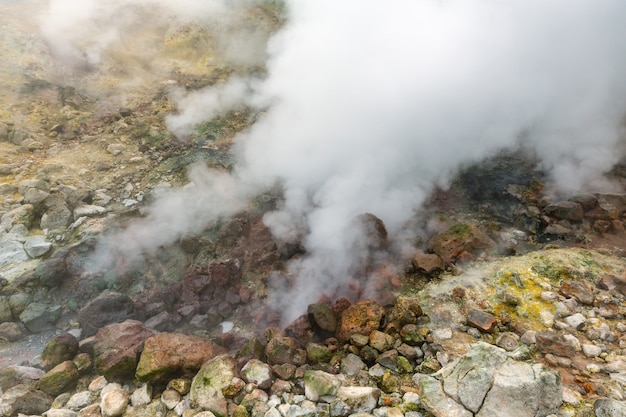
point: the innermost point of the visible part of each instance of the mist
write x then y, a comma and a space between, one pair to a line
367, 106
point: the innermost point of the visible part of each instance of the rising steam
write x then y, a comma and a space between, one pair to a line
369, 104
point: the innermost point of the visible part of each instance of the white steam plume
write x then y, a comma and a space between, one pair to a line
369, 104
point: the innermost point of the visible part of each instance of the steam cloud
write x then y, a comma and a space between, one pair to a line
370, 104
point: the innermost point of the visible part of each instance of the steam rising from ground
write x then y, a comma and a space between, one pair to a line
370, 104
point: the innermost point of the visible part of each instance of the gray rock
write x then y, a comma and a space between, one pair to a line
591, 351
606, 407
107, 308
141, 396
489, 382
576, 321
258, 373
56, 217
10, 331
38, 316
37, 246
88, 211
23, 214
22, 399
18, 303
319, 383
80, 400
60, 412
207, 385
5, 309
351, 364
359, 399
12, 252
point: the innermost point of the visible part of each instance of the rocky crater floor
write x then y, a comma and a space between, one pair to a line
511, 303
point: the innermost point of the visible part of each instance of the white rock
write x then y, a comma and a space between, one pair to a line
114, 400
12, 252
575, 321
88, 210
442, 334
257, 372
36, 246
170, 398
591, 351
80, 400
97, 384
141, 396
360, 399
59, 412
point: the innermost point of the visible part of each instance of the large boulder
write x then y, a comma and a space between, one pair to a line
207, 386
167, 355
61, 348
117, 348
38, 316
59, 379
23, 399
360, 318
489, 382
107, 308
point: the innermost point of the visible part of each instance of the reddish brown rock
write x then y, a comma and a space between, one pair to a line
603, 211
582, 291
375, 230
427, 263
61, 348
555, 344
612, 283
406, 310
117, 348
360, 318
169, 355
281, 350
460, 239
482, 320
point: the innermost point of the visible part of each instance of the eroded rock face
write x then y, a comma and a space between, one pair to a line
489, 382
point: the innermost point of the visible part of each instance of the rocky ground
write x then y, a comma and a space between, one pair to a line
513, 303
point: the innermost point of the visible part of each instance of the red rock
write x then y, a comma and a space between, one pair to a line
603, 211
553, 343
169, 355
117, 348
461, 238
427, 263
482, 320
360, 318
582, 291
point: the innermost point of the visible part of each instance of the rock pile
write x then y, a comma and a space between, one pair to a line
376, 361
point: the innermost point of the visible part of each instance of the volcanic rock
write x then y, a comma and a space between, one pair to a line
281, 350
607, 407
5, 310
461, 240
318, 384
427, 263
38, 316
582, 291
107, 308
23, 399
554, 343
258, 373
406, 310
359, 399
167, 355
23, 214
18, 303
61, 378
486, 382
317, 353
61, 348
10, 331
323, 317
360, 318
113, 400
482, 320
117, 348
36, 246
587, 201
566, 210
206, 387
